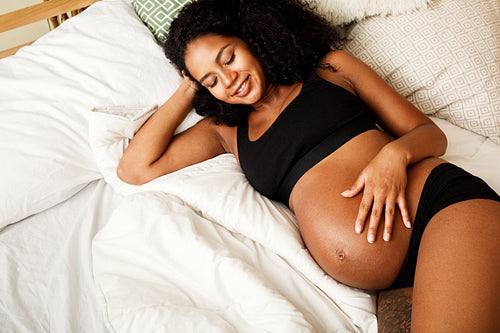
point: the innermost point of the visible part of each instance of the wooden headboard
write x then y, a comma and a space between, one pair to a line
50, 9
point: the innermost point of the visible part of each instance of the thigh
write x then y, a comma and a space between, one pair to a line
457, 279
394, 310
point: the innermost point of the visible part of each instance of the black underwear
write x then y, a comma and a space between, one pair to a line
446, 185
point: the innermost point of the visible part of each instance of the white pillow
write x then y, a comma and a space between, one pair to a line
341, 12
445, 59
104, 56
110, 130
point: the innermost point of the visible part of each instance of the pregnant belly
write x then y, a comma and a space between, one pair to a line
326, 219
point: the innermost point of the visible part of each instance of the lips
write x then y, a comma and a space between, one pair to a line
243, 88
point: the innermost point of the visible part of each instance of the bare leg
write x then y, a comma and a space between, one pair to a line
394, 310
457, 280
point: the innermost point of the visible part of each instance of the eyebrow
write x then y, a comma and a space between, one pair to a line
217, 60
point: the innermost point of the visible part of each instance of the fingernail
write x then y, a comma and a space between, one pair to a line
357, 228
408, 224
387, 237
371, 238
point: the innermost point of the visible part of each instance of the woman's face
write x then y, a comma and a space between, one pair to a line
225, 66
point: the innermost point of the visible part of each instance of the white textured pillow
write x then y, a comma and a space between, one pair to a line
103, 56
110, 130
445, 59
341, 12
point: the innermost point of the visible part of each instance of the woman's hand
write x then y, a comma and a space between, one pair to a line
154, 151
417, 137
384, 183
189, 82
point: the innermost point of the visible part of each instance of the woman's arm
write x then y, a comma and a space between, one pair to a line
394, 112
417, 137
155, 151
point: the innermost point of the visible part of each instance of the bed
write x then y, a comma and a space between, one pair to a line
197, 250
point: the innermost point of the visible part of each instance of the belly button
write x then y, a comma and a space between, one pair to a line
340, 254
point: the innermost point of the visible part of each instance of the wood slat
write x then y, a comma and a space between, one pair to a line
13, 50
40, 12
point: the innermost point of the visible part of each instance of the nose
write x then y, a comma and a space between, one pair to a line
228, 77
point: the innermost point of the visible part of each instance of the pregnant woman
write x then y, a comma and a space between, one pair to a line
305, 121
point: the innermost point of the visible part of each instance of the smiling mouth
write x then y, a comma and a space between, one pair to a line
242, 88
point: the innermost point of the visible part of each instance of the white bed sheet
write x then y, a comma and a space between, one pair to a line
472, 152
46, 281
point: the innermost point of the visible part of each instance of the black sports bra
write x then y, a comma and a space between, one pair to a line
317, 122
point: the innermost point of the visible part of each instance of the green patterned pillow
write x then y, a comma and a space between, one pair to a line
158, 14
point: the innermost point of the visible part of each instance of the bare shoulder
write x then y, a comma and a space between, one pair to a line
347, 66
338, 59
396, 114
343, 61
337, 67
226, 135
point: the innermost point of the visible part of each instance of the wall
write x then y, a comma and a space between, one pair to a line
24, 34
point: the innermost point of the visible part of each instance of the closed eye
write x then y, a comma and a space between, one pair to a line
214, 83
227, 63
230, 60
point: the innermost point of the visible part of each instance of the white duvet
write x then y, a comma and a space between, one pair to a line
200, 248
184, 273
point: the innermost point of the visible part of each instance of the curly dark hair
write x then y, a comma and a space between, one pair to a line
287, 37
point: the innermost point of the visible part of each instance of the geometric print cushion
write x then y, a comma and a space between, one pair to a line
158, 14
444, 59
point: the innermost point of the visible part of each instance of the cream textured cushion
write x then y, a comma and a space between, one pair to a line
445, 59
341, 12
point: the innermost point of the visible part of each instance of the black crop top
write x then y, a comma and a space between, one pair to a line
318, 121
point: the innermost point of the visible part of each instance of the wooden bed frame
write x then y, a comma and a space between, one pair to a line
49, 9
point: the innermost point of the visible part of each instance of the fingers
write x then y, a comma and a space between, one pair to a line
358, 185
188, 81
390, 209
380, 200
182, 73
376, 215
364, 208
378, 208
376, 204
404, 211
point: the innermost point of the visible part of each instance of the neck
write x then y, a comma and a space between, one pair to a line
276, 98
